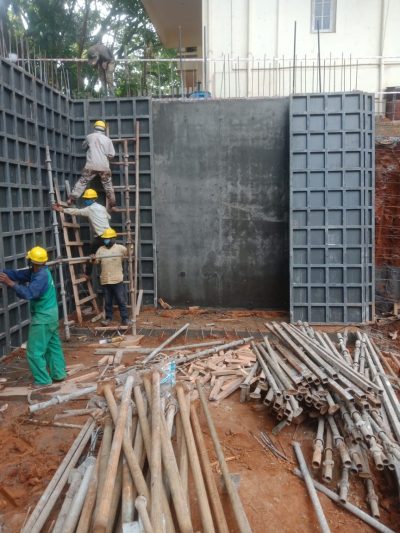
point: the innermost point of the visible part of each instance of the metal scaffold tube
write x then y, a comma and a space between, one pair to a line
57, 241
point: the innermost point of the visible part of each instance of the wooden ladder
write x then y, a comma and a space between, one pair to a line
131, 234
74, 250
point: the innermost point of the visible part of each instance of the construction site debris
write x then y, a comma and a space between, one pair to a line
164, 304
297, 374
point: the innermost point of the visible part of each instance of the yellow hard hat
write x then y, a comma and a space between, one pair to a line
37, 255
100, 124
109, 233
90, 194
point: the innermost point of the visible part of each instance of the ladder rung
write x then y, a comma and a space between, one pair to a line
131, 188
86, 299
123, 209
123, 163
71, 225
77, 281
73, 243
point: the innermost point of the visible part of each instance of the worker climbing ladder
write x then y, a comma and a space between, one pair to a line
126, 210
75, 256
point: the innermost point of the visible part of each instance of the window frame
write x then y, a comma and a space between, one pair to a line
332, 20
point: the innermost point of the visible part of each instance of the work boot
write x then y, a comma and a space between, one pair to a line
126, 322
106, 322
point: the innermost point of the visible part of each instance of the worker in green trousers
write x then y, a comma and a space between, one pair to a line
44, 352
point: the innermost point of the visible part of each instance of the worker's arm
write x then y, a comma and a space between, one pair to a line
38, 285
19, 276
83, 212
111, 150
97, 256
85, 144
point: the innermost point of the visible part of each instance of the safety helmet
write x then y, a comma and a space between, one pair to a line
100, 124
37, 255
90, 194
109, 233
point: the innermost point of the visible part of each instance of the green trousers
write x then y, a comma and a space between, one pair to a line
44, 353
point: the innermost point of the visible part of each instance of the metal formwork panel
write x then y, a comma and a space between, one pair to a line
121, 115
332, 208
31, 116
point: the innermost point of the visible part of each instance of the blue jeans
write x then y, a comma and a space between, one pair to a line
115, 291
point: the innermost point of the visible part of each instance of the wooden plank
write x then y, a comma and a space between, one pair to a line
234, 385
89, 375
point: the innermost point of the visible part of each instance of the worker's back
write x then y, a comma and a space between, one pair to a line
99, 150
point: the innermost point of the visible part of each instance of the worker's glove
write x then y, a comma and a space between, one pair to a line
93, 258
57, 207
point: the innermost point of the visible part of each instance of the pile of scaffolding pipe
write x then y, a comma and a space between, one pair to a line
300, 373
138, 476
348, 394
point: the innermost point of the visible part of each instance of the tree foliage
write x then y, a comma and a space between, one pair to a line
66, 28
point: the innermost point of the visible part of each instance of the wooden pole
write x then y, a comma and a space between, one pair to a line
130, 455
103, 459
127, 505
155, 459
145, 427
101, 521
136, 309
172, 472
90, 501
205, 512
140, 504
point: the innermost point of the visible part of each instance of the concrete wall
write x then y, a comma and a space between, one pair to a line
221, 202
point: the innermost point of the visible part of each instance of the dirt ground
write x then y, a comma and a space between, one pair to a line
273, 498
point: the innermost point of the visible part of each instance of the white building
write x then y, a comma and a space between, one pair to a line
248, 47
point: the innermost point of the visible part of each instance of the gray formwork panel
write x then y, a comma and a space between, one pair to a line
120, 115
31, 116
332, 208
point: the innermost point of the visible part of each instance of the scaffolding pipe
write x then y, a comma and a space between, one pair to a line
53, 490
57, 242
311, 489
240, 515
348, 506
165, 343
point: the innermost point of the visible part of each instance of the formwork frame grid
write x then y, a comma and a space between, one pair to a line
33, 115
331, 208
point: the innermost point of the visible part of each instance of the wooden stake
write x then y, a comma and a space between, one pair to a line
101, 521
205, 512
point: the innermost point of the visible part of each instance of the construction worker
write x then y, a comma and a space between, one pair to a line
44, 352
99, 150
98, 219
101, 56
112, 276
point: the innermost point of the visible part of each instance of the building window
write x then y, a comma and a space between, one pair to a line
323, 15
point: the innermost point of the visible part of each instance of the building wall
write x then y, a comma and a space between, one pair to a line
259, 29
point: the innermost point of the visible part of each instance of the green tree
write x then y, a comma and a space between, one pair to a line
66, 28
